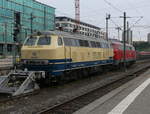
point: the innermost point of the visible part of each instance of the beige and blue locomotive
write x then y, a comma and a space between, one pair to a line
57, 53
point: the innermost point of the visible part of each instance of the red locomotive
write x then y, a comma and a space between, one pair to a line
119, 53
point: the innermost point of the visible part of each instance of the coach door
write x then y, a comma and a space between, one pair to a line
67, 52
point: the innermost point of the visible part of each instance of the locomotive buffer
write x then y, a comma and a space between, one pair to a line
20, 82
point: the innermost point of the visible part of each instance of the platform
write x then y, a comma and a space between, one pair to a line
131, 98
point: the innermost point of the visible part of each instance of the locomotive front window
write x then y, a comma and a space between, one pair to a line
44, 41
30, 41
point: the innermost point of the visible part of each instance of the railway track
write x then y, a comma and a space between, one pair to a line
4, 98
110, 84
71, 105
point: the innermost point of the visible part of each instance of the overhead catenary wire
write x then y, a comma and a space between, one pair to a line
113, 6
116, 24
136, 9
137, 22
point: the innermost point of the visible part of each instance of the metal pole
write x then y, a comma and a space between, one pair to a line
31, 23
124, 42
44, 18
118, 34
131, 37
26, 33
107, 18
128, 32
5, 45
118, 29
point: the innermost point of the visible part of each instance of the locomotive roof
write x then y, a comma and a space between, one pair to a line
71, 35
120, 43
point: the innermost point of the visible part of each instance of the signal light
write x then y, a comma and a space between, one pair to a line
16, 32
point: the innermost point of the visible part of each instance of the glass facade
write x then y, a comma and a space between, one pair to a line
30, 15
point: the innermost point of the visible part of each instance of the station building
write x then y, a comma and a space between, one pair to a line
68, 25
18, 18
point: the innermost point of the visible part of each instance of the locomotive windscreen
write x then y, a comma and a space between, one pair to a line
44, 41
33, 40
30, 41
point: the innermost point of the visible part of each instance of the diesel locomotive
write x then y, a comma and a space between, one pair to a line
62, 54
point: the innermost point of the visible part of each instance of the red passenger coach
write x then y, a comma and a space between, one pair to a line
143, 55
119, 53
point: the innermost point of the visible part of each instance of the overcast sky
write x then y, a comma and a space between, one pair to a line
94, 12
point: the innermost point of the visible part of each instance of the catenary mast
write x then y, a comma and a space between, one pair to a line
77, 13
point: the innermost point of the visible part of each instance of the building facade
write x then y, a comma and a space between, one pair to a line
68, 25
19, 18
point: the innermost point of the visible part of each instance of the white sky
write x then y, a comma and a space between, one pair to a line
94, 12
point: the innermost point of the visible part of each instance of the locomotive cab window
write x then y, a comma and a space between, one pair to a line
30, 41
60, 42
44, 41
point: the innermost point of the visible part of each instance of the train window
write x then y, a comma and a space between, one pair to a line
44, 41
30, 41
103, 44
73, 42
98, 44
90, 45
86, 43
77, 42
106, 45
60, 42
67, 42
93, 44
81, 42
